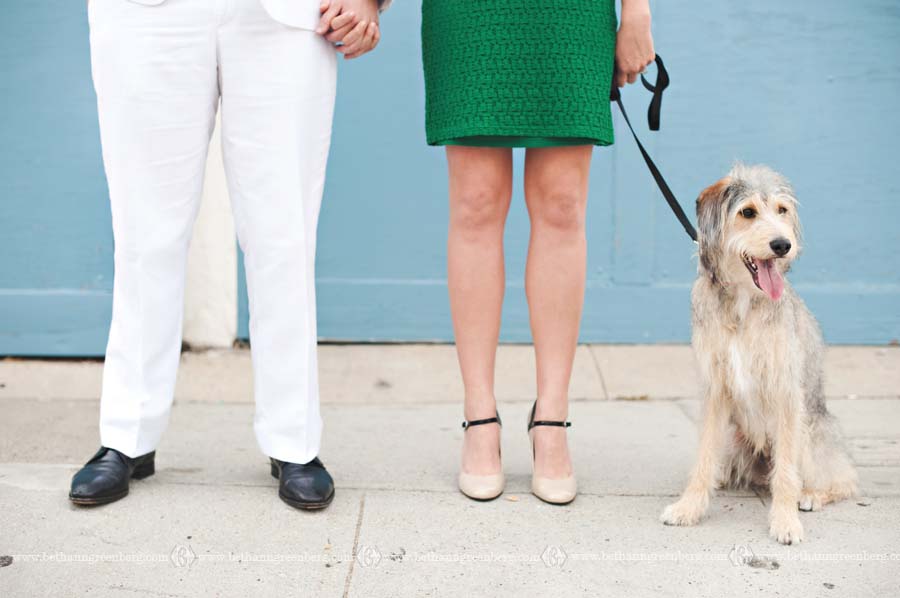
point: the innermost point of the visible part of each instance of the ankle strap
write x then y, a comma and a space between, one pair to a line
545, 422
481, 422
542, 422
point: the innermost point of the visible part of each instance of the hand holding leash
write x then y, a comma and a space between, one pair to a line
634, 42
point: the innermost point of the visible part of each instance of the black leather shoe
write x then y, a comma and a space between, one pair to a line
307, 486
105, 477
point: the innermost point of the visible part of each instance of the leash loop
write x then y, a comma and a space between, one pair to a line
653, 117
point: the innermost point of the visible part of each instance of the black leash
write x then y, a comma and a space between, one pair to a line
662, 81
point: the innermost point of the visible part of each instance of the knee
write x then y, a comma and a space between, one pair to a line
479, 208
560, 207
557, 198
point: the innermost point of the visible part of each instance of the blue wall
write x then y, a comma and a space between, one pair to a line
56, 252
807, 87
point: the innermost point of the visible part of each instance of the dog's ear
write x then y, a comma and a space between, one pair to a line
798, 229
711, 207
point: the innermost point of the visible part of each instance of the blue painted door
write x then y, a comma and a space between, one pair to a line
56, 261
807, 87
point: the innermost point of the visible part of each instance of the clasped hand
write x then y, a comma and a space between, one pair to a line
352, 25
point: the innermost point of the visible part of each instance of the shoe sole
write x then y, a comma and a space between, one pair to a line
479, 499
550, 502
306, 506
84, 501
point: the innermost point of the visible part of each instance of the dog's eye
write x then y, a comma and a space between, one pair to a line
782, 210
748, 213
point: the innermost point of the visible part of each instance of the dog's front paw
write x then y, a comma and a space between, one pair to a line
686, 511
786, 528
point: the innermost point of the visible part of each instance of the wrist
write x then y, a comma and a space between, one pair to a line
636, 12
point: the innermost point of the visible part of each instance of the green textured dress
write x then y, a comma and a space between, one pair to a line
518, 73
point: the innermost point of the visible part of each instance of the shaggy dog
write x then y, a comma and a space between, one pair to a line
760, 355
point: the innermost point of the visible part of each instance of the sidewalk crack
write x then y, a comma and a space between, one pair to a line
760, 496
590, 349
359, 520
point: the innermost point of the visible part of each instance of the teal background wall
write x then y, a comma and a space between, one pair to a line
807, 87
55, 235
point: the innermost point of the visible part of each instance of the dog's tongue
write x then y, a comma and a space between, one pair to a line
770, 278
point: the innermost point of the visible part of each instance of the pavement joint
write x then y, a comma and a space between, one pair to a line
355, 551
599, 371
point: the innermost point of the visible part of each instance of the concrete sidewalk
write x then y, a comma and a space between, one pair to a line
210, 523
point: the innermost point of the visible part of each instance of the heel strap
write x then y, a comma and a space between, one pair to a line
481, 422
545, 422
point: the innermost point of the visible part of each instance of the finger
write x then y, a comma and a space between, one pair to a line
354, 48
325, 21
377, 37
343, 19
338, 36
368, 40
632, 77
356, 33
323, 6
367, 44
361, 47
372, 37
620, 78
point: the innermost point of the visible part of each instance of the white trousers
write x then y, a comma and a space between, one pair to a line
160, 73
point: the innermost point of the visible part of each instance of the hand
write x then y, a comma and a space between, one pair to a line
351, 23
634, 42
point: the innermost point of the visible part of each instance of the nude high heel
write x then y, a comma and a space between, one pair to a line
482, 487
555, 491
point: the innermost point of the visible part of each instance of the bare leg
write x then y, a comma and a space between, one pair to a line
556, 184
480, 192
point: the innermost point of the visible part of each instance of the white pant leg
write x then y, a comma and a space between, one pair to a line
154, 71
278, 88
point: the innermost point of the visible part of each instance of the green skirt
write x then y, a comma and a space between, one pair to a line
518, 73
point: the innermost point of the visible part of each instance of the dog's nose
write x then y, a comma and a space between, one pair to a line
780, 246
